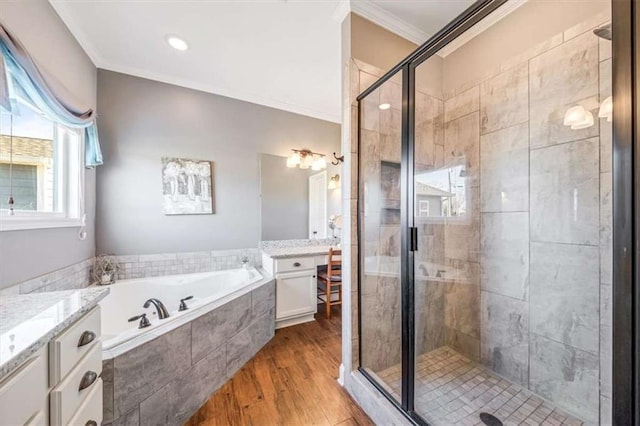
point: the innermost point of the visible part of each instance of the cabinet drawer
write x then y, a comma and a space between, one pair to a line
66, 350
90, 412
295, 264
24, 394
68, 395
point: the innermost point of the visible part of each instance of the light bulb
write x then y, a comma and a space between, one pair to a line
319, 164
574, 115
384, 106
295, 159
306, 162
291, 162
332, 184
586, 122
606, 109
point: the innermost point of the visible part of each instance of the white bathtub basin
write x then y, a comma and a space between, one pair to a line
127, 297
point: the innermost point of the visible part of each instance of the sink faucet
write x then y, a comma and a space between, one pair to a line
160, 308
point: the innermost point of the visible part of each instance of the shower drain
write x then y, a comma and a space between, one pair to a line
490, 419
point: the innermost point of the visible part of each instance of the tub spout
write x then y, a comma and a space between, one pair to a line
160, 308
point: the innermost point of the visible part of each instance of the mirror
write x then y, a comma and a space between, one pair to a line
298, 203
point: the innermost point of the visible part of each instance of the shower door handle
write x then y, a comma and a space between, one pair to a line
413, 231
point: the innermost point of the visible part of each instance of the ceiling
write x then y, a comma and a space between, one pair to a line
415, 20
279, 53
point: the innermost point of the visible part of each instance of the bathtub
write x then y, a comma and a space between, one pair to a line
127, 297
163, 373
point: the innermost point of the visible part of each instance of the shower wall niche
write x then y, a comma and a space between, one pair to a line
511, 279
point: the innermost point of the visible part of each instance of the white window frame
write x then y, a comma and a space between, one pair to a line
70, 180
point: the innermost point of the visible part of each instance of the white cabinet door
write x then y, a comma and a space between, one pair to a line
295, 294
318, 205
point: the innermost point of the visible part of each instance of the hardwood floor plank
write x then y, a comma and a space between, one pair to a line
291, 381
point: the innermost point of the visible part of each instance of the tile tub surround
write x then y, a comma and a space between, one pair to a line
155, 265
72, 277
79, 275
28, 322
166, 380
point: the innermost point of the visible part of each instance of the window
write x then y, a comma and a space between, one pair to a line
41, 167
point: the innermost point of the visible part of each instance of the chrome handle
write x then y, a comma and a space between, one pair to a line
91, 423
183, 306
87, 380
144, 322
86, 338
296, 264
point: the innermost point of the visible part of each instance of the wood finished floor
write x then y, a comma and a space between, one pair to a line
291, 381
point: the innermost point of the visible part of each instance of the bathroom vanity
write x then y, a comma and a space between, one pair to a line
294, 266
51, 358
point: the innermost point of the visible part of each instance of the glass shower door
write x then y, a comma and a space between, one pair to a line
379, 235
512, 195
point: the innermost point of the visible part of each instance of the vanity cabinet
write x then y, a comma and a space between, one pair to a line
60, 384
24, 395
295, 294
296, 287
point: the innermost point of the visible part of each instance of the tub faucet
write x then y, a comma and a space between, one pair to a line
160, 308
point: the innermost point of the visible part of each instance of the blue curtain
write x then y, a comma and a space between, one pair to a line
24, 80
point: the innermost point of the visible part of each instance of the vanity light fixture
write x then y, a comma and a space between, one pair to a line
334, 181
578, 118
384, 106
305, 158
176, 42
574, 115
587, 121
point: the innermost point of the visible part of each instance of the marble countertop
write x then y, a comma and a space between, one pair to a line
29, 321
286, 252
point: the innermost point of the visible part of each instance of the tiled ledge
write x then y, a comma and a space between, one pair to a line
155, 265
72, 277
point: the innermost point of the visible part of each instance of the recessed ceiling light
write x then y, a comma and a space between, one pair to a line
176, 42
384, 106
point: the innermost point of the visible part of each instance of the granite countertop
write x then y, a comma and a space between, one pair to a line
29, 321
285, 252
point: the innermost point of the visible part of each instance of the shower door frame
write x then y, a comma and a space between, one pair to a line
626, 207
626, 212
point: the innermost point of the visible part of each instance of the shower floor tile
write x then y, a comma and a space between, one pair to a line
453, 390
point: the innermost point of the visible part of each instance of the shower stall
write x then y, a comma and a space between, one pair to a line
485, 220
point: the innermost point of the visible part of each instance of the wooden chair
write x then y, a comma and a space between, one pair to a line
330, 282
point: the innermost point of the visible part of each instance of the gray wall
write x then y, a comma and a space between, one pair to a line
142, 121
284, 195
27, 254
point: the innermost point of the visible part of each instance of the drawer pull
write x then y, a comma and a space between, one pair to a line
296, 264
91, 423
87, 380
86, 338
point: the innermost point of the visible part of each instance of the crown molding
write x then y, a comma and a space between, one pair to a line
388, 21
481, 26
